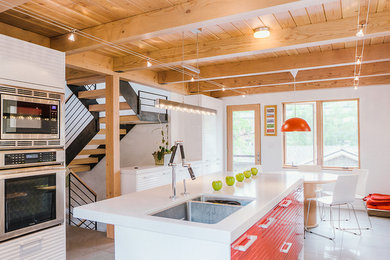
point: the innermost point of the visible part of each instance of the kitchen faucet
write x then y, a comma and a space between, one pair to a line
183, 163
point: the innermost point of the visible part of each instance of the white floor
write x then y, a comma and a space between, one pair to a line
373, 244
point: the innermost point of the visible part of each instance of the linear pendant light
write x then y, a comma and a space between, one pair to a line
172, 105
295, 124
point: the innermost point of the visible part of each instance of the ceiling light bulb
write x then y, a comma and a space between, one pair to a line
356, 78
261, 32
243, 95
192, 79
223, 89
148, 64
71, 37
358, 61
360, 33
356, 87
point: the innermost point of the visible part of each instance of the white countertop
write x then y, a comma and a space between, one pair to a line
132, 210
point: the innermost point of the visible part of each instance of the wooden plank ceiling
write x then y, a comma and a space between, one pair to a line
298, 31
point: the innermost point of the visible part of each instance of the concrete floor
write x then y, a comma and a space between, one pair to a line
83, 244
373, 244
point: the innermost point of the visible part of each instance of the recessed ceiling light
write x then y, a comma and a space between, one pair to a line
261, 32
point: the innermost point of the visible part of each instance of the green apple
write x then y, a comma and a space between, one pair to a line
254, 171
247, 174
230, 180
217, 185
240, 177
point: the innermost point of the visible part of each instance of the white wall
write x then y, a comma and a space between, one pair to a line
374, 128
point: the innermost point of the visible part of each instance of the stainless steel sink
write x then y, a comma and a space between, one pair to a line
198, 210
240, 201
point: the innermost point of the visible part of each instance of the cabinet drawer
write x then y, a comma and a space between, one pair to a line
151, 180
46, 244
278, 235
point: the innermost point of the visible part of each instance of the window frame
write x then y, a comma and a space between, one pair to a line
318, 136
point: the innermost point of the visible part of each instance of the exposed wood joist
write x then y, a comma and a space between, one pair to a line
80, 78
317, 60
103, 65
364, 81
378, 68
331, 32
182, 17
11, 4
24, 35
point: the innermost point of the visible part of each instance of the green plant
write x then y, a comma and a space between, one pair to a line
163, 147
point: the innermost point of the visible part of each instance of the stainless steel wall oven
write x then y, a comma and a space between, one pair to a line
31, 201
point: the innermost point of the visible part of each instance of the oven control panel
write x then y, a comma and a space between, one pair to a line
11, 159
26, 158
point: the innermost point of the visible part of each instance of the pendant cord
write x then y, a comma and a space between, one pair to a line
182, 50
295, 95
197, 64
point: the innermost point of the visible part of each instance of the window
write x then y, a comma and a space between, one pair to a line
334, 139
299, 146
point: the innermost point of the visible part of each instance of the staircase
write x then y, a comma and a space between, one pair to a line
85, 121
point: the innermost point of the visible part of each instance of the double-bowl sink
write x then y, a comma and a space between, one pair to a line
207, 209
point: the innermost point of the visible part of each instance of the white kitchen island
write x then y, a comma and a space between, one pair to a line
275, 215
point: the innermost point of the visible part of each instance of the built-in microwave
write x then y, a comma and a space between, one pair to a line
31, 201
30, 118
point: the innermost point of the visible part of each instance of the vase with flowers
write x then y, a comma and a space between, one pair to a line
163, 148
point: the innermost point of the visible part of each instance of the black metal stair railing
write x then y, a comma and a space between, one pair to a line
81, 125
144, 99
79, 194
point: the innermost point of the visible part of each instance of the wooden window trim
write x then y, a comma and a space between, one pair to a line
229, 132
319, 134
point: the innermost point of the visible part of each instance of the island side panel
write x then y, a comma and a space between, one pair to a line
278, 235
133, 243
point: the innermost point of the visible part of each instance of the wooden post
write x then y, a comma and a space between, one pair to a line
113, 181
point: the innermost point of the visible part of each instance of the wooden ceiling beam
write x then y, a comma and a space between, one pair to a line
24, 35
368, 81
181, 17
102, 65
11, 4
317, 60
284, 78
331, 32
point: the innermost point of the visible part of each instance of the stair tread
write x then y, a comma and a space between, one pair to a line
123, 119
92, 94
102, 107
97, 142
92, 151
88, 160
103, 132
80, 168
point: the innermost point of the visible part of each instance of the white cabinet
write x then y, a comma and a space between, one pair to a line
147, 177
28, 65
143, 178
202, 134
46, 244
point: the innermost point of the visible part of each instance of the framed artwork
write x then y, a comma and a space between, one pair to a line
270, 120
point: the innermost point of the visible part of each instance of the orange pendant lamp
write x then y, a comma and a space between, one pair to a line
295, 124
